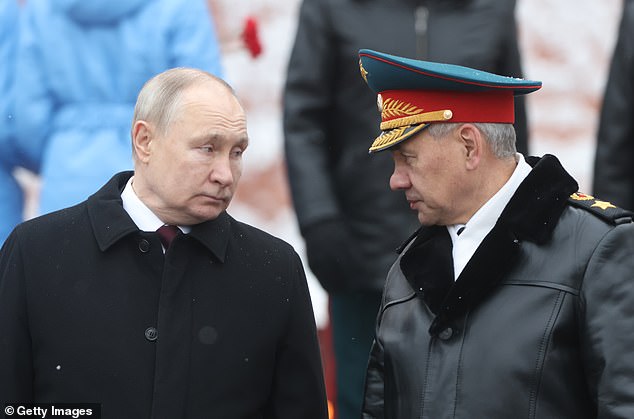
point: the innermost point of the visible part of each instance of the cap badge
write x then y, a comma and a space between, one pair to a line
364, 73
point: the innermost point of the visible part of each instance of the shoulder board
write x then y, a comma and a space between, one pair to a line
602, 209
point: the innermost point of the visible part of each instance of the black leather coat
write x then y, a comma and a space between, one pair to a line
538, 325
331, 118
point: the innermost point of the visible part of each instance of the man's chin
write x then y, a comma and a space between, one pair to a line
210, 214
425, 220
204, 213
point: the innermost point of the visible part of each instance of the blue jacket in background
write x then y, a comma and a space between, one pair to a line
11, 197
80, 67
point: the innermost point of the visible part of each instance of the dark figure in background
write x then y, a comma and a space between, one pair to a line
350, 220
613, 169
515, 298
94, 307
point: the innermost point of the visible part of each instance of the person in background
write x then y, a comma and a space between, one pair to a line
80, 65
11, 195
613, 171
514, 298
148, 297
351, 222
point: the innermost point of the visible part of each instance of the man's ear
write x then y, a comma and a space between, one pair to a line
473, 143
142, 136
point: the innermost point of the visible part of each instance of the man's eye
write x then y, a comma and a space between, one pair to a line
207, 149
237, 152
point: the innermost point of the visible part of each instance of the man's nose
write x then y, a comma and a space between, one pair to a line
222, 171
398, 180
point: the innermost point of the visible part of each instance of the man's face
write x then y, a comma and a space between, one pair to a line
431, 173
192, 171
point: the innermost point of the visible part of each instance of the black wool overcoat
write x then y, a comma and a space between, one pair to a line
91, 310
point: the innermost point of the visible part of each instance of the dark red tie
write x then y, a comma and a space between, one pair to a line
167, 234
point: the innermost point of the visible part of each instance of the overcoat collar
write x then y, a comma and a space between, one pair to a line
110, 222
531, 215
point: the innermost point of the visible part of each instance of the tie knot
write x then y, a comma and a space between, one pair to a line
167, 234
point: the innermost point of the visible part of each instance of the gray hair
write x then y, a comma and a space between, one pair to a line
501, 137
160, 98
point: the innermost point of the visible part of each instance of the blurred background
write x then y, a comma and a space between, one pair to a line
567, 44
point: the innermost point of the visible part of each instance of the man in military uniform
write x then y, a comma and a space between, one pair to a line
515, 298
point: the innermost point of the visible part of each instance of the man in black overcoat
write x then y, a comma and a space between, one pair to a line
212, 319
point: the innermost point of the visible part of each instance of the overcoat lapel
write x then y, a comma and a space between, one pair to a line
428, 265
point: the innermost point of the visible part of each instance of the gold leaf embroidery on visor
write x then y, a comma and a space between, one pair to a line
388, 137
393, 108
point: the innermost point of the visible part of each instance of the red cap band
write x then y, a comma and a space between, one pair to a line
490, 106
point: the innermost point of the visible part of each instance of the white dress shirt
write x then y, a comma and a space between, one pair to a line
142, 216
466, 243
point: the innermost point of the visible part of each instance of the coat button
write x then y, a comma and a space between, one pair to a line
144, 245
446, 334
151, 334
